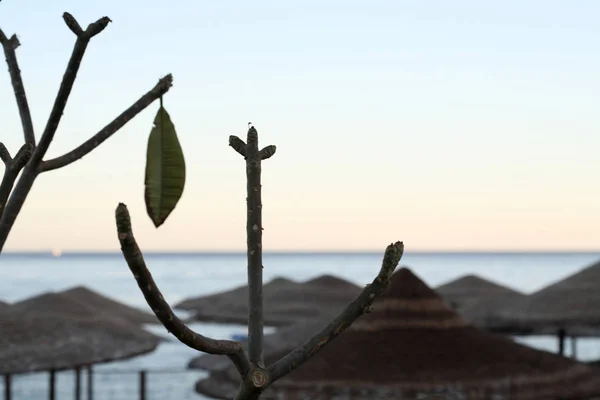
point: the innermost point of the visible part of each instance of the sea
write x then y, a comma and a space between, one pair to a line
185, 275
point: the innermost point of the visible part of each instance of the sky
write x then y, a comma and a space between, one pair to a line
451, 126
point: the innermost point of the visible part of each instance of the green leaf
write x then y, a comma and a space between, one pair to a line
165, 169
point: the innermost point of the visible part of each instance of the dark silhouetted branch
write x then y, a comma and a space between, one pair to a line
254, 235
83, 38
6, 185
10, 46
5, 155
267, 152
11, 171
159, 90
23, 156
238, 145
30, 172
36, 165
253, 385
161, 308
73, 25
359, 306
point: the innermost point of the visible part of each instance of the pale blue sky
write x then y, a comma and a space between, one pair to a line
461, 125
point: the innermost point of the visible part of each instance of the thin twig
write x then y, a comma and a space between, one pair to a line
5, 155
254, 230
10, 46
159, 90
30, 172
247, 391
359, 306
161, 308
22, 156
11, 171
8, 180
267, 152
238, 145
32, 169
83, 38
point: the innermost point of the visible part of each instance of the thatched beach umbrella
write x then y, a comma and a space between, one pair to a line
570, 307
572, 303
231, 306
56, 304
283, 340
285, 301
81, 302
413, 344
478, 299
35, 341
4, 306
109, 306
467, 290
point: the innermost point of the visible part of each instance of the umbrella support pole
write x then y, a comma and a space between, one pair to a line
574, 347
561, 342
142, 385
77, 383
52, 387
90, 383
7, 387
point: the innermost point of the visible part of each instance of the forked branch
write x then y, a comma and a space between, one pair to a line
12, 167
155, 299
32, 155
83, 38
358, 307
10, 46
159, 90
253, 157
5, 155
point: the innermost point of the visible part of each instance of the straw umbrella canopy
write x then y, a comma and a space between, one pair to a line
285, 301
81, 302
468, 290
35, 341
477, 299
109, 306
283, 340
4, 306
413, 344
231, 306
571, 305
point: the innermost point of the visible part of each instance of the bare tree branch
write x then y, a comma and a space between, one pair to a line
30, 172
73, 25
68, 80
5, 155
10, 46
159, 90
8, 180
11, 171
359, 306
267, 152
238, 145
254, 234
22, 156
161, 308
253, 385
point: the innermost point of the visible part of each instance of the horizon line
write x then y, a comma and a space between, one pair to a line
301, 251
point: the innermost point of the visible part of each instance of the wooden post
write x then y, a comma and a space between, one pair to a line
142, 385
90, 383
561, 341
77, 383
574, 347
7, 387
52, 388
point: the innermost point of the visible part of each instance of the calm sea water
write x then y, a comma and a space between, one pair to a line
184, 275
